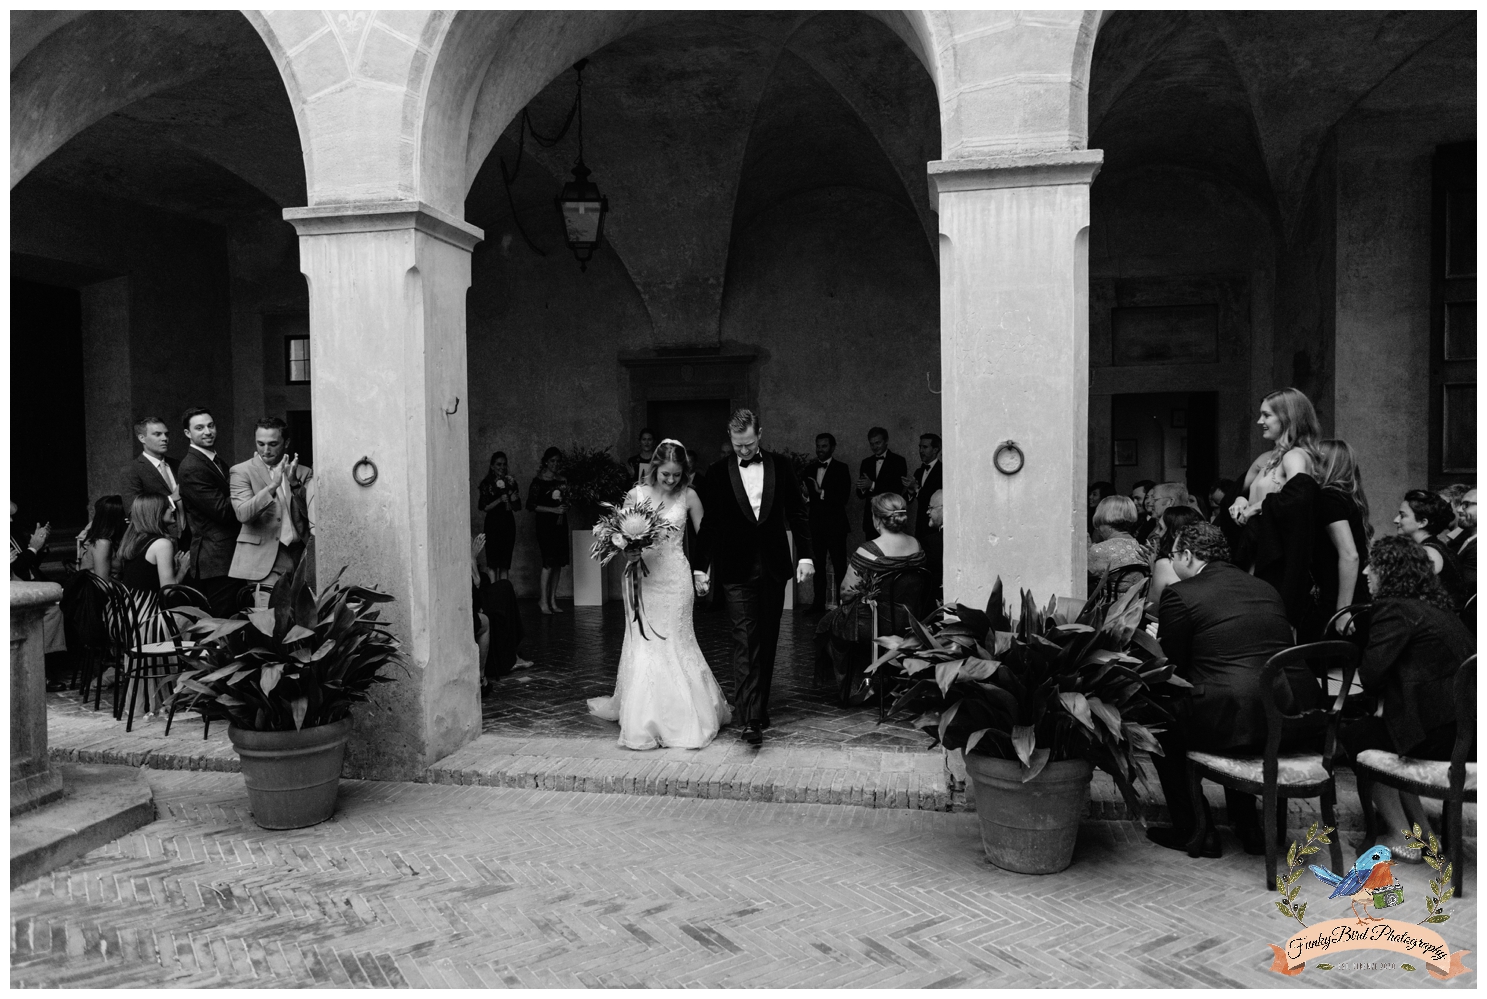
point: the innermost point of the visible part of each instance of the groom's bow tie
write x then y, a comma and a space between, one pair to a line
746, 462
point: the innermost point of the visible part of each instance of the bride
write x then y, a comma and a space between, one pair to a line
665, 695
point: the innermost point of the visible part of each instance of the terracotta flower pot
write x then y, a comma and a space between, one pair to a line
292, 777
1029, 828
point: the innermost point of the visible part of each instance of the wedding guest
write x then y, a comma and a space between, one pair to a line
1158, 499
1421, 517
1466, 542
881, 472
270, 499
100, 539
1219, 496
929, 478
828, 485
1097, 492
26, 556
1139, 493
641, 461
1452, 495
1219, 625
887, 571
547, 500
1415, 645
1340, 550
205, 487
937, 511
149, 560
1174, 519
500, 498
1278, 511
152, 470
1117, 547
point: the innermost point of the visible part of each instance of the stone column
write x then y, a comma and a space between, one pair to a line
1014, 363
388, 382
32, 780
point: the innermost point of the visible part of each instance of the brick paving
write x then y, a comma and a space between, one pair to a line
455, 886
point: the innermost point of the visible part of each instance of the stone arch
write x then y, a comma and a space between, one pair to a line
60, 84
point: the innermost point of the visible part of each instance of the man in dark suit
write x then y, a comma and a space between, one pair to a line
929, 478
828, 485
206, 494
748, 502
1219, 625
880, 472
151, 472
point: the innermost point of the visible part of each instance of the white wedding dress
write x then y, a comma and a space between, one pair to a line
665, 695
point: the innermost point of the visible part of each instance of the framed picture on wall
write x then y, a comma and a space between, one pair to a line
1125, 451
1180, 419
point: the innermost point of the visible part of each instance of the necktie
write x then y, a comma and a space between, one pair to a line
746, 462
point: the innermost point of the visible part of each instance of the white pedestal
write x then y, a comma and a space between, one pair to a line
590, 582
790, 586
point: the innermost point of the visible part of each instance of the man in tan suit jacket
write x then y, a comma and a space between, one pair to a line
263, 488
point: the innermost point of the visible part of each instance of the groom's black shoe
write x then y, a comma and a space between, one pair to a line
753, 734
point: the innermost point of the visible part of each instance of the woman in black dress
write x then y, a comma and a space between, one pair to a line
500, 498
1343, 531
548, 500
1421, 517
1416, 643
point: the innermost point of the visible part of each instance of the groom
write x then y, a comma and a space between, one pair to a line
747, 501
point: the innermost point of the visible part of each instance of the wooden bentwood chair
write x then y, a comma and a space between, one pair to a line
1452, 783
1276, 778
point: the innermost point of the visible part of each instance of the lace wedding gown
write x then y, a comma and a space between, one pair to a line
665, 694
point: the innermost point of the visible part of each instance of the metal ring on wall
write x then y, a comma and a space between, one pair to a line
364, 477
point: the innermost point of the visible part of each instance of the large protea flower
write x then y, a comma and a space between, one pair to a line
634, 523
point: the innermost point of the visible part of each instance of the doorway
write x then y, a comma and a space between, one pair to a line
700, 424
1165, 437
48, 441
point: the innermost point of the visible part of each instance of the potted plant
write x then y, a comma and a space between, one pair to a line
1035, 705
284, 677
593, 478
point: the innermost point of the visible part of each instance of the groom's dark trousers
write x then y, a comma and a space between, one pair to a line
754, 607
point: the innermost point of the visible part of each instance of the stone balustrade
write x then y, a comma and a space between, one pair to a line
32, 780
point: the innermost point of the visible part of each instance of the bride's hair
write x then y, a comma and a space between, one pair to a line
669, 451
890, 510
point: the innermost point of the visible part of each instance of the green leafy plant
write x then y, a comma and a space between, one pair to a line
594, 477
298, 663
1049, 687
1441, 891
1295, 867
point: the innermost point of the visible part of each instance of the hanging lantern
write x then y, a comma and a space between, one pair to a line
580, 204
583, 209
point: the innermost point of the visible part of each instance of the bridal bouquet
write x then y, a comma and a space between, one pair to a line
632, 530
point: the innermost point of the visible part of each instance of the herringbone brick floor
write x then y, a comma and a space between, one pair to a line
457, 886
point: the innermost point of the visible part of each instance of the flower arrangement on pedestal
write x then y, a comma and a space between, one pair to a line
594, 480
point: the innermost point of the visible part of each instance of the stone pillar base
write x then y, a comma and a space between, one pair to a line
33, 791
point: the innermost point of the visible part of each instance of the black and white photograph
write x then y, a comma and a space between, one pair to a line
540, 499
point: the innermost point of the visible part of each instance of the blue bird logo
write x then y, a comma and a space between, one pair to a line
1373, 871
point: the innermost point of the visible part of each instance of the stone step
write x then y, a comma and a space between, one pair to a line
98, 804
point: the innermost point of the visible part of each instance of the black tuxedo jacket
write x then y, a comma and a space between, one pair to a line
926, 486
733, 540
889, 480
143, 478
828, 505
206, 496
1219, 628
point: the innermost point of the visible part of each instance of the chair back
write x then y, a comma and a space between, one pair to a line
1465, 696
1469, 613
1319, 658
1356, 628
899, 595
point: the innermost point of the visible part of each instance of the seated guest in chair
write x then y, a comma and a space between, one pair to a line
888, 572
1421, 517
270, 499
1466, 542
1415, 644
1117, 548
1174, 519
1218, 625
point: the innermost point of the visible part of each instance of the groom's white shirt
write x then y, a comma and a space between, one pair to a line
753, 483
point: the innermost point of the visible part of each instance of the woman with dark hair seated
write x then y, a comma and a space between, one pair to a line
1097, 492
1174, 519
1421, 517
1415, 645
887, 571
